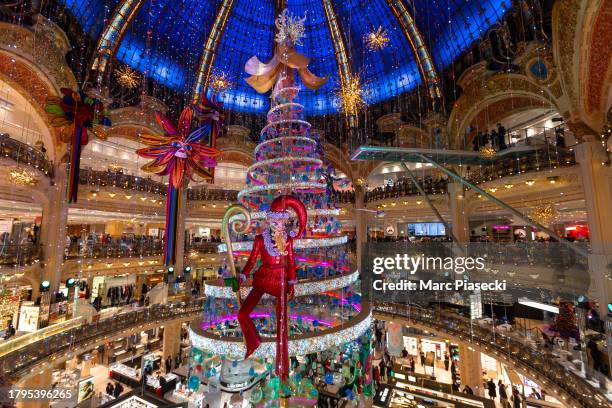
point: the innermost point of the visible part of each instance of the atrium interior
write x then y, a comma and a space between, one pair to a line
306, 203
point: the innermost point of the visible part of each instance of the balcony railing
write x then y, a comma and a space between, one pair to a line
25, 154
529, 359
17, 362
519, 163
19, 254
131, 248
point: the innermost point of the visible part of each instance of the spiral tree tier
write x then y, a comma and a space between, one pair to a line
328, 321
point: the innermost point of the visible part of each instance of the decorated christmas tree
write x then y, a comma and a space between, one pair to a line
328, 326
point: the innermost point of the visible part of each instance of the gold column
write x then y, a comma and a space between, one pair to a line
210, 50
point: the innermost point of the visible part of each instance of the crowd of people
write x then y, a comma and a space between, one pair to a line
404, 186
496, 139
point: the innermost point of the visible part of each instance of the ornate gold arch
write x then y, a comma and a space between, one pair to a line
482, 89
34, 87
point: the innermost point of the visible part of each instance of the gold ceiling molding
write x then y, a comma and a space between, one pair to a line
342, 58
113, 33
207, 59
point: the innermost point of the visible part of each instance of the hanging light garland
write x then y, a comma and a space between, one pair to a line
22, 177
127, 77
544, 214
376, 40
351, 95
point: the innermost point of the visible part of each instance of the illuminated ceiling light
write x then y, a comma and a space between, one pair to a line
479, 195
112, 195
94, 194
351, 95
405, 202
143, 198
376, 40
419, 202
530, 182
127, 196
127, 77
22, 177
109, 264
553, 179
508, 186
493, 189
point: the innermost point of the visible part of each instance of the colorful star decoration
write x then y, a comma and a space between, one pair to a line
179, 153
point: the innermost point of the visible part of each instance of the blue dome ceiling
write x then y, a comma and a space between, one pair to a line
166, 39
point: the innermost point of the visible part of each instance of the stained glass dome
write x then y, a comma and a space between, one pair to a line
166, 39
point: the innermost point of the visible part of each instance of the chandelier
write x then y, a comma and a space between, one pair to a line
487, 152
22, 177
376, 40
544, 214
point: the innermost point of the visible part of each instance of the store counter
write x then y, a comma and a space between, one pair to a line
403, 394
127, 375
153, 383
183, 394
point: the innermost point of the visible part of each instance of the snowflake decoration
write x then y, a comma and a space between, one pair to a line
376, 40
290, 29
127, 77
351, 95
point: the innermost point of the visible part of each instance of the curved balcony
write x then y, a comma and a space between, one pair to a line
130, 248
22, 359
24, 154
522, 163
537, 364
117, 179
16, 255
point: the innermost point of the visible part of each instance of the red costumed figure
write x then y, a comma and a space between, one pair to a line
276, 277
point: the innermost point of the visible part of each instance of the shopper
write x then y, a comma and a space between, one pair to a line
468, 390
118, 390
168, 364
412, 364
492, 389
422, 358
503, 395
516, 398
404, 353
383, 369
446, 361
109, 389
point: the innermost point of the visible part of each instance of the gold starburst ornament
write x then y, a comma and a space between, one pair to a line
127, 77
376, 40
219, 82
351, 95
